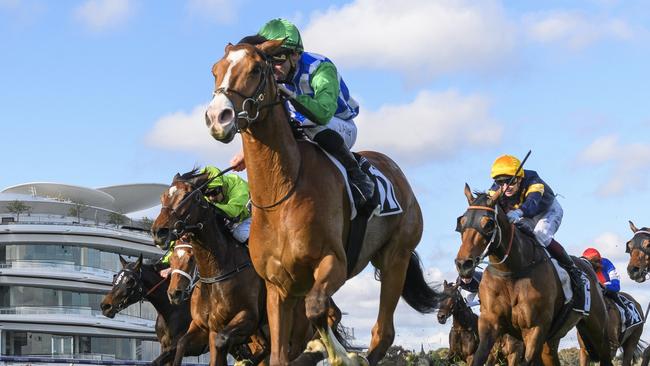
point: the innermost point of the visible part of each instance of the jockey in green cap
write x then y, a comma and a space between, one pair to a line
319, 99
229, 193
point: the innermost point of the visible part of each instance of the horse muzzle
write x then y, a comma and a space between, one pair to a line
178, 296
466, 267
442, 318
221, 118
636, 273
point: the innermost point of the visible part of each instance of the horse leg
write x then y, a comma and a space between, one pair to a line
280, 314
393, 274
487, 335
194, 335
533, 342
549, 353
630, 346
584, 356
329, 276
218, 349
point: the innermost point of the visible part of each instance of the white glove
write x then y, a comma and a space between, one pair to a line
515, 215
284, 90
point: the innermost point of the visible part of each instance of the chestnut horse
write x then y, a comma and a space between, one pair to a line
519, 292
629, 341
302, 212
227, 282
463, 336
137, 282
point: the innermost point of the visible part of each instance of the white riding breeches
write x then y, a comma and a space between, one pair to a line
546, 224
347, 130
241, 230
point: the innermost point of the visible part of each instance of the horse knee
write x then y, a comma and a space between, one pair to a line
316, 308
220, 340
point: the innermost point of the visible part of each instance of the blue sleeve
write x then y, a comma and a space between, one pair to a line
535, 188
613, 282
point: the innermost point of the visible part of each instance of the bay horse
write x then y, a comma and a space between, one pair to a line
519, 292
639, 249
629, 341
227, 282
137, 282
463, 336
302, 211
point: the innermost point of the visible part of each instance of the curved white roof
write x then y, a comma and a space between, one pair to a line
121, 198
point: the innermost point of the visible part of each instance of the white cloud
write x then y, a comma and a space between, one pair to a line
419, 38
628, 164
359, 300
575, 30
182, 131
433, 126
101, 15
220, 11
611, 246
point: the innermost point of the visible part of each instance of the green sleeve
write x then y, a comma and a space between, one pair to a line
236, 191
325, 83
165, 258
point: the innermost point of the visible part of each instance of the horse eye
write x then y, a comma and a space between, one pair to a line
489, 226
256, 70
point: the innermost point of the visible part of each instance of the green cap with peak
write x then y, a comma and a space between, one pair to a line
277, 29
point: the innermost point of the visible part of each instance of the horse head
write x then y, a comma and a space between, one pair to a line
180, 213
452, 299
244, 86
127, 288
639, 249
183, 272
481, 231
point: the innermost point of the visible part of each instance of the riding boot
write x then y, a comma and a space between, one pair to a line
333, 143
564, 259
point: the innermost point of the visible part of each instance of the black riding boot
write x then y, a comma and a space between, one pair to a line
333, 143
564, 259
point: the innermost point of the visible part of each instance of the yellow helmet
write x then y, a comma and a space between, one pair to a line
506, 165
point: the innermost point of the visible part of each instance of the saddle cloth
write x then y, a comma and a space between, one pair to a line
566, 284
388, 204
632, 317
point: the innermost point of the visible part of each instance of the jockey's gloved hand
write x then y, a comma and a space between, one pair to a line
515, 215
286, 92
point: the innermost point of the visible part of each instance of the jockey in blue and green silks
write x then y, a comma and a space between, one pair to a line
318, 97
229, 193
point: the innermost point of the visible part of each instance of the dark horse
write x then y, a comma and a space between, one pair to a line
519, 293
629, 341
463, 336
227, 305
302, 211
637, 269
228, 301
137, 282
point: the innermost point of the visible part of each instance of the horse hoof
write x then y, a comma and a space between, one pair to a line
316, 345
243, 363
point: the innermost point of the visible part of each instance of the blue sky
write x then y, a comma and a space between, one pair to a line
100, 92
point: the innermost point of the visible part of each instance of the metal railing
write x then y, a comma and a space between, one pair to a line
68, 266
80, 310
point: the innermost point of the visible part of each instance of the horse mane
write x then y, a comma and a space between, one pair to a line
192, 174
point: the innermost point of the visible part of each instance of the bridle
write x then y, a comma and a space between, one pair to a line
636, 244
253, 101
191, 278
208, 280
133, 296
492, 242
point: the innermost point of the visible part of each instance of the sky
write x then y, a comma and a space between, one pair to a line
98, 92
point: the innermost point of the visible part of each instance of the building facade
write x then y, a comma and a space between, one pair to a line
59, 249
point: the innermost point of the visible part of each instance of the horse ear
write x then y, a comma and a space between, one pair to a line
228, 47
123, 261
633, 227
445, 283
468, 194
176, 177
494, 197
138, 263
270, 47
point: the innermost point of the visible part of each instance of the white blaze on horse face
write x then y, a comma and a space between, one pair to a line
233, 58
180, 253
172, 190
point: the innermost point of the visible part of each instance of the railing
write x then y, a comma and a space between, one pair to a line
77, 359
71, 267
49, 220
81, 310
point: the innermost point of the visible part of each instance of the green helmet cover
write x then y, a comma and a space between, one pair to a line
278, 29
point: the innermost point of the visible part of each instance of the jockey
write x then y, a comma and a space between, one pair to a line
319, 100
531, 203
229, 193
470, 285
608, 277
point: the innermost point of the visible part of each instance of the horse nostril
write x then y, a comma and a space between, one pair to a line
226, 116
105, 307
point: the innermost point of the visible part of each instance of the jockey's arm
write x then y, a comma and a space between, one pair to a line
321, 107
531, 205
614, 283
236, 195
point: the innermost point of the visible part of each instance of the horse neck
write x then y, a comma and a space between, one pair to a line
216, 252
272, 157
519, 255
464, 316
158, 297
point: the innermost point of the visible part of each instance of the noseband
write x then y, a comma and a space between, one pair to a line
492, 242
253, 101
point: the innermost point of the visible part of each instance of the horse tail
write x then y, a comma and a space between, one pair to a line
417, 292
639, 350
